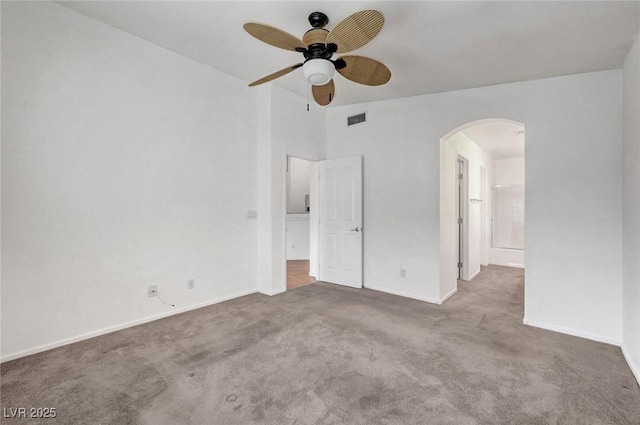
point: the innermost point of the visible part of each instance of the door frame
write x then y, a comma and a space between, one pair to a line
484, 214
462, 204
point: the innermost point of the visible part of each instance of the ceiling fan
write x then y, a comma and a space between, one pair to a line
318, 46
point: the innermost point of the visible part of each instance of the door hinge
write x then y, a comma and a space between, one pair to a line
459, 265
459, 176
459, 221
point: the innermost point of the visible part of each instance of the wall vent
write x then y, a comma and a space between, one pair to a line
357, 119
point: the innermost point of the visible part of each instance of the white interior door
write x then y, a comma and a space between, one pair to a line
341, 221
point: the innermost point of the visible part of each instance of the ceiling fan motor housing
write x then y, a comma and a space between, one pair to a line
315, 35
315, 40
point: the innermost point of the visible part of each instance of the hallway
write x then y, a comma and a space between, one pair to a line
298, 274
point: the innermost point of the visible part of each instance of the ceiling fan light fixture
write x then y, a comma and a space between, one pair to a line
318, 45
318, 72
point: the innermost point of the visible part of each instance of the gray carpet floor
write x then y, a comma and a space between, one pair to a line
326, 354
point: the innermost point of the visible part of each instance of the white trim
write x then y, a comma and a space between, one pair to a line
569, 331
473, 276
449, 295
470, 124
462, 191
634, 368
272, 293
111, 329
402, 294
505, 264
297, 217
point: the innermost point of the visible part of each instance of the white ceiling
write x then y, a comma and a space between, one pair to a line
501, 139
429, 46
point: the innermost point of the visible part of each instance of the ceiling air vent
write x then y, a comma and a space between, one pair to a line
357, 119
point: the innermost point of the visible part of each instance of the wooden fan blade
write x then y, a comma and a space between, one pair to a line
363, 70
274, 36
356, 30
275, 75
324, 94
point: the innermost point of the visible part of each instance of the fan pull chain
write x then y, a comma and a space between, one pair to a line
308, 85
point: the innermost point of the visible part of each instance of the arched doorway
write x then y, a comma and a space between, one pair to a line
482, 191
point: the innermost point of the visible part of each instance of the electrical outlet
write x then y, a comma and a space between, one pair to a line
153, 290
191, 283
403, 272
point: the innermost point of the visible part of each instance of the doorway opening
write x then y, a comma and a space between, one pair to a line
482, 190
323, 231
298, 229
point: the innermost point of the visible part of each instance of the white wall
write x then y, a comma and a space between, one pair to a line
1, 259
314, 220
123, 165
573, 161
298, 184
297, 225
132, 163
448, 273
508, 172
285, 128
298, 237
460, 145
631, 215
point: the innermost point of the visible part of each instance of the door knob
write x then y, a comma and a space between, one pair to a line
357, 229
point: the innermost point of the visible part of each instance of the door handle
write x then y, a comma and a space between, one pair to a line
357, 229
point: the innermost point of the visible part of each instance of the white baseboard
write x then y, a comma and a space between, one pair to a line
474, 275
569, 331
269, 293
516, 265
449, 295
634, 368
403, 294
110, 329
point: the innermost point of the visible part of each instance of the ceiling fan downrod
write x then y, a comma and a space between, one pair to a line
315, 39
